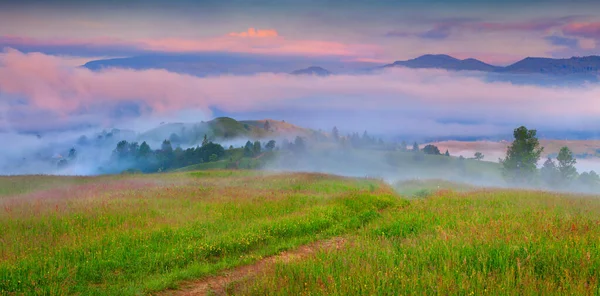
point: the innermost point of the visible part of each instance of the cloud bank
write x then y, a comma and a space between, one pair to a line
41, 92
255, 33
253, 41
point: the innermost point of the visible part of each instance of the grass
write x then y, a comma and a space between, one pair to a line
133, 234
220, 164
138, 234
13, 185
480, 242
234, 158
425, 188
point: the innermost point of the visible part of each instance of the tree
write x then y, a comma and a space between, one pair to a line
134, 148
122, 150
270, 145
431, 149
335, 134
522, 156
299, 145
249, 149
144, 150
166, 146
415, 147
403, 146
447, 153
549, 173
267, 126
167, 156
204, 140
479, 156
213, 157
256, 148
72, 154
366, 140
566, 165
590, 180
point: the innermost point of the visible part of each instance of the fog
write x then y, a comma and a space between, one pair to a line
47, 105
44, 93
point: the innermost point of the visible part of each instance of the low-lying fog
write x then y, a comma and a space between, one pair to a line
47, 105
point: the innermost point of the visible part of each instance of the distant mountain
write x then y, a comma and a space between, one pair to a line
209, 64
318, 71
441, 61
574, 65
214, 64
205, 64
584, 67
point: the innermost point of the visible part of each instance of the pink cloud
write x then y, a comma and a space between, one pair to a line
49, 85
275, 45
251, 41
587, 30
255, 33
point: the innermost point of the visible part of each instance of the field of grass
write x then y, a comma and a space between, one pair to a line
495, 242
135, 234
213, 165
139, 234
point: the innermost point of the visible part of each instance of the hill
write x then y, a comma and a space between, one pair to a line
316, 71
209, 64
223, 63
585, 67
224, 128
447, 62
206, 64
574, 65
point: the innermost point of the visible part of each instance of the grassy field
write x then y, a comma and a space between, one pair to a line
138, 234
480, 242
133, 234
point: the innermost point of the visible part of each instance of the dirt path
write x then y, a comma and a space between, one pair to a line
216, 285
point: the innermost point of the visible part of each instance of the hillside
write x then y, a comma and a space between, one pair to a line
204, 64
574, 65
210, 64
444, 62
225, 128
582, 66
316, 71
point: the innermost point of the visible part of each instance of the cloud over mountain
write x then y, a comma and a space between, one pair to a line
40, 92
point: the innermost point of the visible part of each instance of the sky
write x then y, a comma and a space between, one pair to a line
43, 43
498, 32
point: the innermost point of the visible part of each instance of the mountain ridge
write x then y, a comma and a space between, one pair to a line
313, 70
214, 64
528, 65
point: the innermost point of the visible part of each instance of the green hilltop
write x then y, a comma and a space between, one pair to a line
224, 128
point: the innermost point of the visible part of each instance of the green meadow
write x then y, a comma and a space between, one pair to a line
143, 234
137, 234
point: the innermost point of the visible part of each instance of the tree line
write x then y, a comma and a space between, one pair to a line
520, 166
